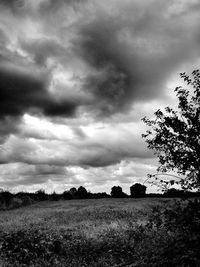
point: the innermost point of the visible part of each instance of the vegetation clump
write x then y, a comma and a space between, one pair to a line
138, 190
174, 135
115, 233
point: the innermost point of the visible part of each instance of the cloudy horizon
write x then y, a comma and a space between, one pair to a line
77, 77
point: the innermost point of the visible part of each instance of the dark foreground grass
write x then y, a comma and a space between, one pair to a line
107, 232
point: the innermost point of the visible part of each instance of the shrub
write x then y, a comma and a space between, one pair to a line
174, 235
16, 203
67, 195
54, 196
6, 197
41, 195
26, 200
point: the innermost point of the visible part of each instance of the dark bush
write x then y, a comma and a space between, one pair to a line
26, 200
54, 196
41, 195
6, 197
67, 195
24, 247
174, 231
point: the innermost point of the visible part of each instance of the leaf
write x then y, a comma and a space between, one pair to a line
174, 135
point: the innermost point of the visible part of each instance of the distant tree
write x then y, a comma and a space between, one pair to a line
5, 197
82, 192
73, 191
54, 196
116, 191
138, 190
175, 135
41, 195
67, 195
26, 198
101, 195
173, 192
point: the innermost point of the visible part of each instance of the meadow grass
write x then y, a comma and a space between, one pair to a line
101, 232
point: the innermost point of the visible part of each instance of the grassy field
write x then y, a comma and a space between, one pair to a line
103, 232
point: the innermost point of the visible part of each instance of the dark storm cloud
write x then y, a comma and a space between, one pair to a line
129, 55
11, 3
133, 58
112, 85
21, 92
89, 61
15, 6
125, 73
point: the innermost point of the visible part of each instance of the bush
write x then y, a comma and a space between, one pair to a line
26, 200
41, 195
24, 247
6, 197
16, 203
54, 196
172, 236
67, 195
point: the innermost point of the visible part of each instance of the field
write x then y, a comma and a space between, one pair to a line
101, 232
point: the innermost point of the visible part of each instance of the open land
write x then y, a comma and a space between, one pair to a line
99, 232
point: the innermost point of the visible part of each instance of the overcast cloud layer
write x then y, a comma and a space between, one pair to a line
76, 77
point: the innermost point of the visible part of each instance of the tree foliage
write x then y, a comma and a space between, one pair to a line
82, 192
174, 135
116, 191
138, 190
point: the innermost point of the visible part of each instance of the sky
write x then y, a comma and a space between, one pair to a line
77, 77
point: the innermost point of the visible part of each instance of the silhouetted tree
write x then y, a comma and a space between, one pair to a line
173, 192
73, 191
41, 195
6, 197
101, 195
138, 190
55, 196
175, 135
82, 192
116, 191
67, 195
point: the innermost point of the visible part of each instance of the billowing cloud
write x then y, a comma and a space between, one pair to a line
91, 146
22, 91
77, 76
116, 53
132, 57
20, 176
15, 174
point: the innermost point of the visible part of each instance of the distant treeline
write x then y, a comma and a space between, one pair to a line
10, 200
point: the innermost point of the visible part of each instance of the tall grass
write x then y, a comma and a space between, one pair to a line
109, 232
